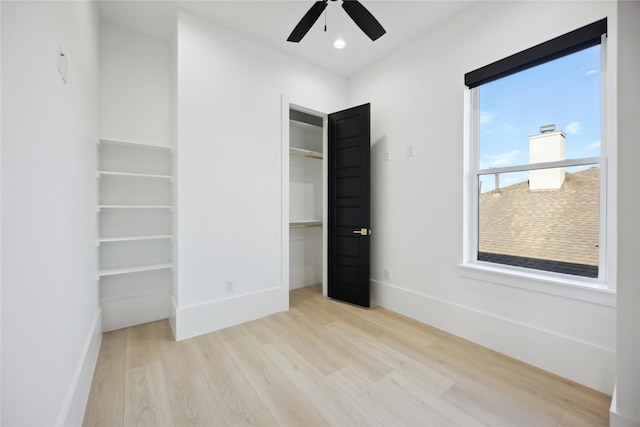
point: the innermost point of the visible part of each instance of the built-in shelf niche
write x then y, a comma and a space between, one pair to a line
135, 237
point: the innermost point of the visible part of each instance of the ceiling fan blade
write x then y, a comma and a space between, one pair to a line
363, 19
307, 21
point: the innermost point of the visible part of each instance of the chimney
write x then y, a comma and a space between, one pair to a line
547, 146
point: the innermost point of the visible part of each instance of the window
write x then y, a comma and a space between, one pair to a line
537, 165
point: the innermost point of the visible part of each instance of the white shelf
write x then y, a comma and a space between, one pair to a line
305, 224
305, 153
100, 207
304, 125
133, 238
134, 175
105, 141
127, 270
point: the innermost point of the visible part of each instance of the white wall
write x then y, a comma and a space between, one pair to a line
230, 171
50, 315
134, 86
417, 99
625, 411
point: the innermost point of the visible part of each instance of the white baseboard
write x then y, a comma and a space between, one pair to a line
118, 313
619, 420
582, 362
211, 316
76, 401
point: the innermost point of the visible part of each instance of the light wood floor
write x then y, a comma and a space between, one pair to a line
325, 363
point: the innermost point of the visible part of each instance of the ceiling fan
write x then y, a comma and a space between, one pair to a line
356, 11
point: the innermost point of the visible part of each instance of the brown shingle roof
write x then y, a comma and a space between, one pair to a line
558, 225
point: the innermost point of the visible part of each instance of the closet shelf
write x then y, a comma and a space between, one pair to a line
134, 238
305, 153
127, 270
305, 224
100, 207
106, 141
304, 125
100, 174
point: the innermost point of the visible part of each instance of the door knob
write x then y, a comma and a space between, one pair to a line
363, 232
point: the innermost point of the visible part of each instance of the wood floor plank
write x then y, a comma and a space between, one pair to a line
105, 406
259, 332
344, 352
231, 333
179, 359
387, 319
483, 377
289, 328
577, 419
537, 383
193, 403
385, 331
286, 405
336, 407
377, 318
259, 419
428, 377
235, 396
300, 295
380, 404
143, 344
306, 338
436, 411
147, 400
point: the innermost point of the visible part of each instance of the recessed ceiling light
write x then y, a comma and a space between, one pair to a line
339, 44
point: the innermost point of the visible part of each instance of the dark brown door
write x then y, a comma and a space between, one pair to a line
349, 205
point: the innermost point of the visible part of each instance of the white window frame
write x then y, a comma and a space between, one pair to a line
600, 290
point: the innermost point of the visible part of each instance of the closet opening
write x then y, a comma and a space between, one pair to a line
307, 198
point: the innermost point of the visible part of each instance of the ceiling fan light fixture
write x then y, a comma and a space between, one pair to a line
356, 11
339, 44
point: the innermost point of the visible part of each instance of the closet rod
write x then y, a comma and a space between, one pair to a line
305, 153
304, 224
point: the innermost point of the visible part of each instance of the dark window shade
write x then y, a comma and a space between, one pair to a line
582, 38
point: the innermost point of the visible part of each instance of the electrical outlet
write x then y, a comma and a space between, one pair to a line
387, 274
410, 152
387, 155
231, 286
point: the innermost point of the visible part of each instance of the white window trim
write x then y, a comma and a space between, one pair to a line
600, 290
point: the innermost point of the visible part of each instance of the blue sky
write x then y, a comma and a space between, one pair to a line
564, 92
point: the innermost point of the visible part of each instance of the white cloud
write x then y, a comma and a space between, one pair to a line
573, 128
508, 128
502, 159
486, 117
594, 146
591, 72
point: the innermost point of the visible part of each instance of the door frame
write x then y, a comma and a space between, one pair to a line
287, 104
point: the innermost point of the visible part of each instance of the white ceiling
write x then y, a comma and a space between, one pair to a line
271, 22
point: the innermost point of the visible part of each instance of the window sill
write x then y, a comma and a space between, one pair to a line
567, 287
